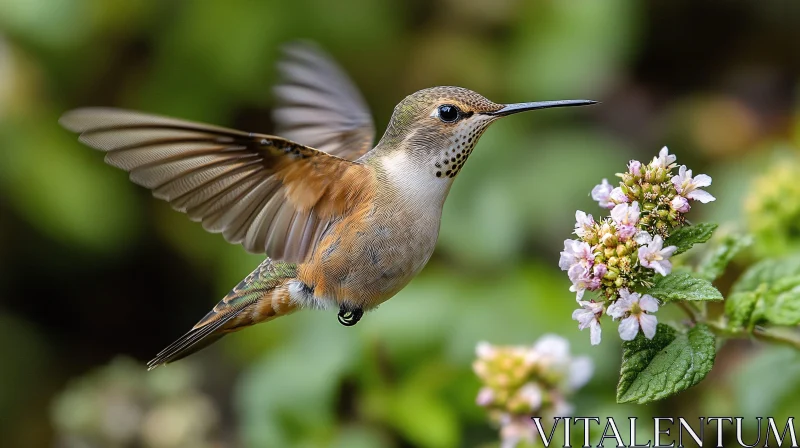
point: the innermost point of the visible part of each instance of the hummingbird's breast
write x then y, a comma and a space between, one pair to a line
369, 255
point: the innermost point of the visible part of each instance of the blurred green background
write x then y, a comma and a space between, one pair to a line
96, 276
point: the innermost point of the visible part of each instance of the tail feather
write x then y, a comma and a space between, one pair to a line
260, 297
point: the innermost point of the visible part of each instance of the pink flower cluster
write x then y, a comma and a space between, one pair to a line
523, 381
654, 184
623, 252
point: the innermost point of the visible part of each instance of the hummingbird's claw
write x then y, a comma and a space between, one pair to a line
349, 318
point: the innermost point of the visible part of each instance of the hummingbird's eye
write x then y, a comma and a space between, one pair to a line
449, 113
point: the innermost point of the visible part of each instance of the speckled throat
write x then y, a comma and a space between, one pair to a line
461, 143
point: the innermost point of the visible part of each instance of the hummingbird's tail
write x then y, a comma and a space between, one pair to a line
262, 296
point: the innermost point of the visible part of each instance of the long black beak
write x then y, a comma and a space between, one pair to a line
509, 109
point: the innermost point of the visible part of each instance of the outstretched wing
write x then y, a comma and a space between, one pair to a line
270, 194
317, 105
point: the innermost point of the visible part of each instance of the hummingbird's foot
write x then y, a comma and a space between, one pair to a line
349, 318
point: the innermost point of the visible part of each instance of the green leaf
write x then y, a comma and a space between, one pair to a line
686, 237
768, 272
717, 260
683, 286
669, 363
739, 308
783, 308
776, 285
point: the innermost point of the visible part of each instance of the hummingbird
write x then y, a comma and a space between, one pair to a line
345, 225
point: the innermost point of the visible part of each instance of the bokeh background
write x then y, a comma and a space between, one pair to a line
96, 276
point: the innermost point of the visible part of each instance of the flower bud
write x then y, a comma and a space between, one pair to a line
485, 397
621, 250
609, 239
635, 168
679, 204
600, 270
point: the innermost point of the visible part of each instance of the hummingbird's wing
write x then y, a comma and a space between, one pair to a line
270, 194
317, 104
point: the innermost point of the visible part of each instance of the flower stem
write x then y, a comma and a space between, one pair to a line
688, 310
760, 333
770, 336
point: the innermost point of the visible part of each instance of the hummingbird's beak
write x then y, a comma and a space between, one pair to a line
509, 109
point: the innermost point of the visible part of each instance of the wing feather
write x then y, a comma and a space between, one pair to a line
318, 105
269, 194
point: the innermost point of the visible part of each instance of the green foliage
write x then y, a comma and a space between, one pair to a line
768, 384
767, 272
717, 260
686, 237
683, 286
773, 207
783, 307
272, 396
419, 413
667, 364
768, 292
739, 308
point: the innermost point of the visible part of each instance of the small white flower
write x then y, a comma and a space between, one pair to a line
642, 238
552, 356
584, 223
581, 280
602, 194
636, 308
664, 159
575, 252
553, 347
562, 408
626, 216
680, 204
635, 168
514, 430
531, 393
689, 187
485, 397
618, 196
580, 372
588, 316
656, 257
485, 350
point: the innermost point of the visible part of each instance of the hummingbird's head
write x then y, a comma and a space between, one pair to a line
438, 127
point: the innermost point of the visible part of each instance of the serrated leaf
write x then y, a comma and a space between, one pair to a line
717, 260
784, 308
739, 308
683, 286
686, 237
785, 284
638, 354
669, 363
768, 272
776, 283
